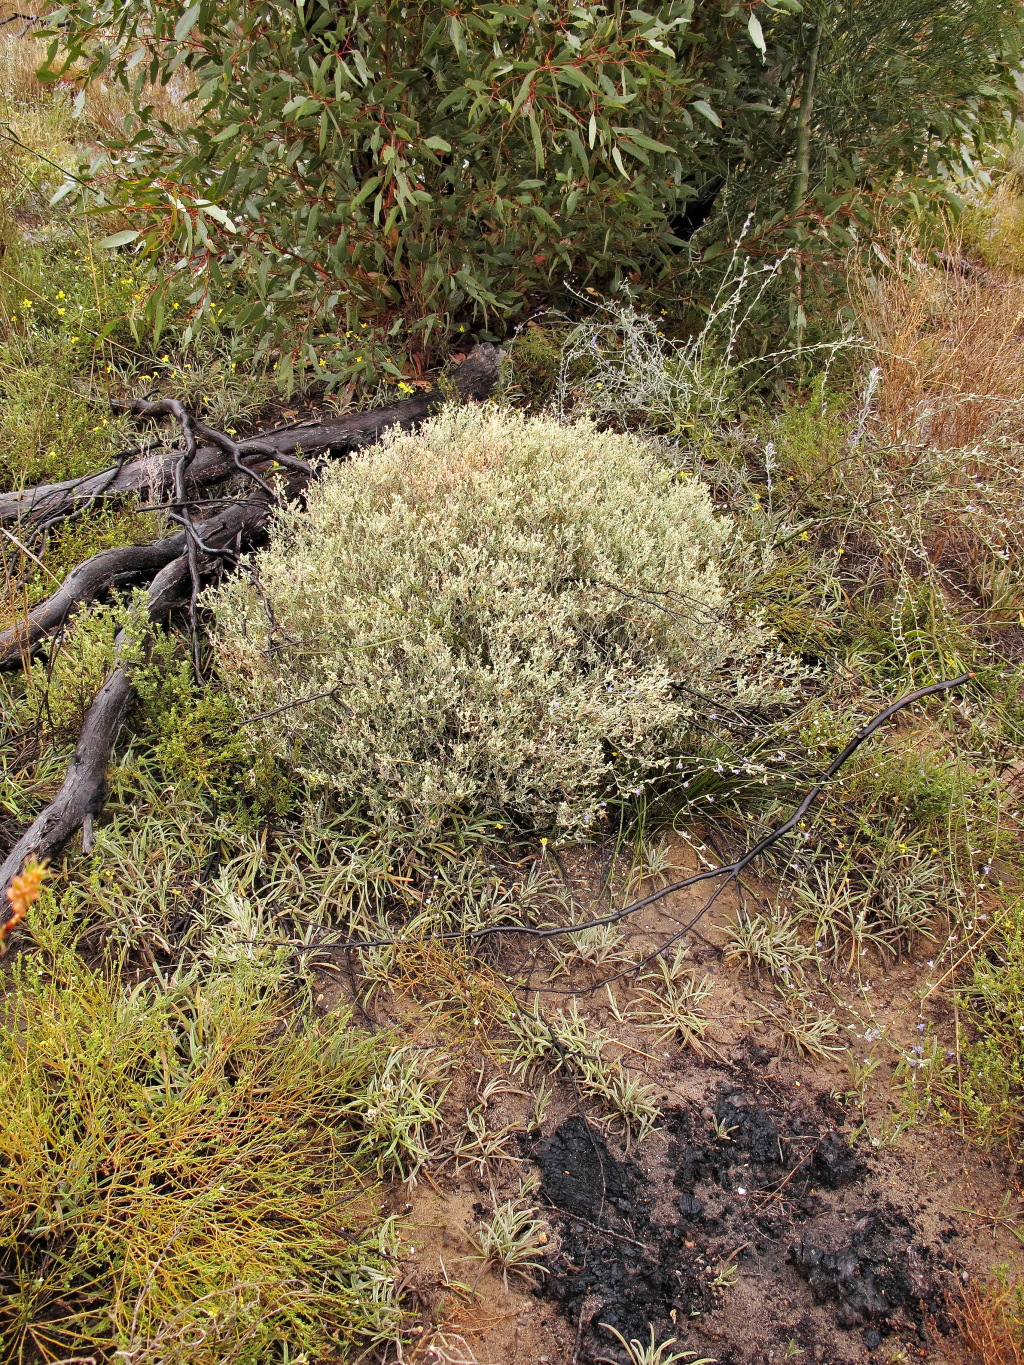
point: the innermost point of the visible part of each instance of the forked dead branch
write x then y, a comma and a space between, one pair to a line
175, 567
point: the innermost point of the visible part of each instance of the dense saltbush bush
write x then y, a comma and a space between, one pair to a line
494, 615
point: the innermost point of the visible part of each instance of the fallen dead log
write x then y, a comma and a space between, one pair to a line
237, 527
83, 791
148, 477
129, 564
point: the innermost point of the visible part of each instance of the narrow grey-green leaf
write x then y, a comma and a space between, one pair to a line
118, 239
186, 23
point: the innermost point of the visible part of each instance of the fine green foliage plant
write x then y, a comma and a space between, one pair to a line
176, 1183
983, 1086
495, 615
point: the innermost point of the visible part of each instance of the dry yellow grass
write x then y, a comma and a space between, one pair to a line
947, 345
44, 115
950, 349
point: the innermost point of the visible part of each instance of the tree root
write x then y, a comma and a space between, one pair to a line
179, 563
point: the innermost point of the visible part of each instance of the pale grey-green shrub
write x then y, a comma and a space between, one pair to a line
499, 608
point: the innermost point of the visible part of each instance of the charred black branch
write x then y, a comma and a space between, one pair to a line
109, 569
133, 564
84, 789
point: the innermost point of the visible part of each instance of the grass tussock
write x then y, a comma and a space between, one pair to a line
949, 349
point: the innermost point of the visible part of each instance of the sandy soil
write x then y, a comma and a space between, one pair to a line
775, 1213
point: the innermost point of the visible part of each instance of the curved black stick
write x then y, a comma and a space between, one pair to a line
109, 568
729, 872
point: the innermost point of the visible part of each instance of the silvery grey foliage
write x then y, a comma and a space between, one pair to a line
490, 616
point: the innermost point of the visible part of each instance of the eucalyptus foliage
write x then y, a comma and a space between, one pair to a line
382, 171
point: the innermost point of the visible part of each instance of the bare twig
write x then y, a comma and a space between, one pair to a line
730, 872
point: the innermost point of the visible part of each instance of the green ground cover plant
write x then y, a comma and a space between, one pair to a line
181, 1175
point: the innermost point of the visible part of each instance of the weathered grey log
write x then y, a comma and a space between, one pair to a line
126, 564
475, 378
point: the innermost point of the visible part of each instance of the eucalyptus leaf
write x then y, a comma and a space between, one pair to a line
640, 140
118, 239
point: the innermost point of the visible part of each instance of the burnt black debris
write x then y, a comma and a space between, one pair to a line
835, 1163
739, 1186
579, 1174
752, 1128
878, 1273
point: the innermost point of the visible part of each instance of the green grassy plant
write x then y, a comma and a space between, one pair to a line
981, 1087
597, 947
812, 1032
180, 1171
569, 1043
671, 1004
652, 1353
769, 943
511, 1239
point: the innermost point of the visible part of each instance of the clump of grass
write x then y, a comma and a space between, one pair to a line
568, 1043
179, 1169
770, 943
398, 1109
511, 1239
948, 349
595, 947
671, 1001
850, 909
651, 1352
810, 1031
